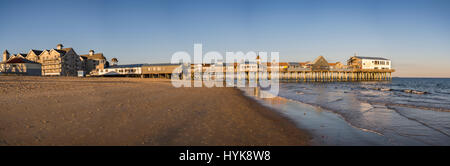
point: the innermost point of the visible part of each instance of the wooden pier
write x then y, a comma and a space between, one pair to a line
338, 75
308, 75
322, 72
357, 69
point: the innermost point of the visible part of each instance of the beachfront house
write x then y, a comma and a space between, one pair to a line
297, 66
21, 55
61, 62
320, 63
359, 62
20, 66
336, 66
33, 55
93, 62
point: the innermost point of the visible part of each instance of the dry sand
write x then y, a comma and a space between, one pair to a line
134, 111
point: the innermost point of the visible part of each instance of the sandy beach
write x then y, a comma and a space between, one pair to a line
134, 111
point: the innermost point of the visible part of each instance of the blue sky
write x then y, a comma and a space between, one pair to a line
415, 34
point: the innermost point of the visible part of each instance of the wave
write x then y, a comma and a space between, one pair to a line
324, 108
410, 91
442, 92
418, 121
410, 106
334, 112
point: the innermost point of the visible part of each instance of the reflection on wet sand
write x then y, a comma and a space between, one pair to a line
326, 128
364, 110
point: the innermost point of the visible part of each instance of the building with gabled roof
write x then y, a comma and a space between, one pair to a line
93, 62
21, 55
20, 66
320, 63
60, 62
297, 66
337, 65
33, 55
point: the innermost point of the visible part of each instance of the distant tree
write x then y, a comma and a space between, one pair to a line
114, 61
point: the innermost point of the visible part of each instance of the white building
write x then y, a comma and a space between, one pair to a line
360, 62
125, 70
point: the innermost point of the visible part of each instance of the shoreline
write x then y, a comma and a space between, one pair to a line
325, 127
361, 114
135, 111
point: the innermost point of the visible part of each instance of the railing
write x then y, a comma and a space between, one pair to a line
51, 63
50, 68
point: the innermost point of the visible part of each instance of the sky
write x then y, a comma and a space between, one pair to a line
414, 34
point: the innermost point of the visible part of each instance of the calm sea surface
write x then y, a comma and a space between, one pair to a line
386, 111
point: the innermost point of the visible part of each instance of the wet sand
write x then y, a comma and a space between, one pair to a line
134, 111
324, 127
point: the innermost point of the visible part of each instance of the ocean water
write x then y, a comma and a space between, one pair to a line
379, 113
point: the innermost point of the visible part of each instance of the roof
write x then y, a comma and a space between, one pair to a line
37, 52
63, 51
278, 63
375, 58
283, 64
161, 64
22, 54
6, 52
294, 64
66, 49
19, 60
125, 66
96, 56
317, 59
44, 51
